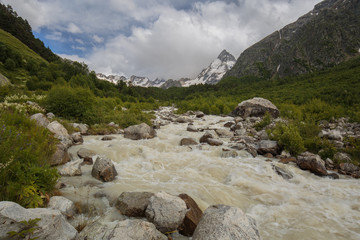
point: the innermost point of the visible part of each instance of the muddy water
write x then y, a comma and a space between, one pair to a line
305, 207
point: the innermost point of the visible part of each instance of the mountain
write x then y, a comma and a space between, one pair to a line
324, 37
133, 80
215, 71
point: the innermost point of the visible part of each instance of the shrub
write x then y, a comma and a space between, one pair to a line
264, 122
10, 64
25, 174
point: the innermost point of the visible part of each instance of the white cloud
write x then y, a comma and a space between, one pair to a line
73, 57
72, 28
57, 36
97, 39
80, 41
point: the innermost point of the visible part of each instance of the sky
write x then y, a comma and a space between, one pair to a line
154, 38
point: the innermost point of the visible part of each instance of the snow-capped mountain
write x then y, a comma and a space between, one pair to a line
133, 80
215, 71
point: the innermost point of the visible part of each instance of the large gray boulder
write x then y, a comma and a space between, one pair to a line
4, 81
135, 229
133, 204
61, 155
226, 223
71, 169
187, 142
58, 129
104, 169
311, 162
64, 205
40, 119
166, 211
83, 128
85, 153
256, 107
141, 131
223, 133
268, 146
52, 224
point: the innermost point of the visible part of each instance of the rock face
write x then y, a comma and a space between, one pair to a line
256, 107
268, 146
192, 217
311, 162
135, 229
225, 222
305, 45
40, 119
133, 204
64, 205
187, 142
141, 131
104, 169
166, 211
52, 224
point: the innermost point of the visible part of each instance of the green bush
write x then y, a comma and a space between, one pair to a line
288, 137
10, 64
264, 122
25, 149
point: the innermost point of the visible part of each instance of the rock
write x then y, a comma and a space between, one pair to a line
268, 155
225, 222
205, 137
191, 128
256, 107
58, 129
71, 169
333, 176
133, 204
223, 133
104, 169
268, 146
61, 155
96, 230
237, 126
66, 140
199, 114
342, 157
335, 135
166, 211
40, 119
250, 149
52, 224
282, 172
187, 142
141, 131
88, 161
312, 162
214, 142
112, 124
77, 137
4, 81
85, 153
50, 115
329, 164
229, 124
108, 138
229, 154
64, 205
136, 229
287, 160
192, 217
83, 128
356, 174
348, 168
262, 135
183, 120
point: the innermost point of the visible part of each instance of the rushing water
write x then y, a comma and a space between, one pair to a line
304, 207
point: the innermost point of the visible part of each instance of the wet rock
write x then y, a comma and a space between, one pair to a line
141, 131
333, 176
88, 161
40, 119
77, 137
205, 137
268, 155
268, 146
199, 114
348, 168
183, 120
287, 160
166, 211
108, 138
356, 174
191, 128
64, 205
256, 107
71, 169
282, 172
58, 129
135, 229
85, 153
187, 142
214, 142
252, 150
312, 162
192, 217
83, 128
329, 164
229, 154
133, 204
52, 224
50, 115
104, 169
61, 156
223, 133
225, 222
342, 157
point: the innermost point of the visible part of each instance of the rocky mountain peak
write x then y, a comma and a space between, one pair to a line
225, 56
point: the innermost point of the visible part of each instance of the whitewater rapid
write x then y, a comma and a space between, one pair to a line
304, 207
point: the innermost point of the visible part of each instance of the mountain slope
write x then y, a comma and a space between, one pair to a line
324, 37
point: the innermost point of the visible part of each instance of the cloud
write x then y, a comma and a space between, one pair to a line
157, 38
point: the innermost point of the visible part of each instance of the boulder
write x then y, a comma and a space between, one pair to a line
183, 120
335, 135
227, 223
187, 142
77, 137
85, 153
205, 137
52, 224
229, 124
223, 133
199, 114
192, 217
166, 211
342, 157
104, 169
214, 142
71, 169
4, 81
88, 161
348, 168
61, 155
311, 162
229, 154
287, 160
50, 115
268, 146
133, 204
135, 229
256, 107
40, 119
191, 128
58, 129
282, 172
141, 131
64, 205
66, 140
108, 138
237, 126
83, 128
